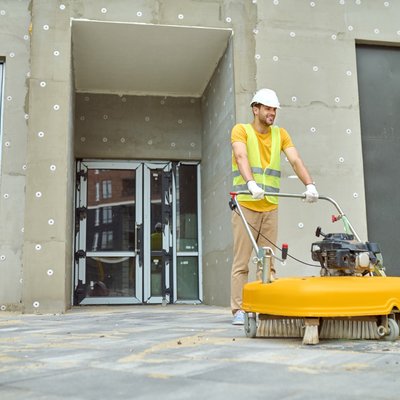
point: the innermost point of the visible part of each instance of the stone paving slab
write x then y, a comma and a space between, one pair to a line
181, 352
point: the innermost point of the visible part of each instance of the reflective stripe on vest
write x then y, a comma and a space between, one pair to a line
269, 178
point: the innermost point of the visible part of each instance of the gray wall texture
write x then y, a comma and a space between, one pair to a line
137, 127
218, 112
15, 18
304, 50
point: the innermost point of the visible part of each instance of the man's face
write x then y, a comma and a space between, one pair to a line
265, 114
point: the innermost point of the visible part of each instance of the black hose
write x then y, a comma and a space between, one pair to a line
277, 247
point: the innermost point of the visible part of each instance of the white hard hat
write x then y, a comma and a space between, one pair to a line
267, 97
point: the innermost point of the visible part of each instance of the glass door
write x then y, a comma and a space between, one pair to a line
109, 242
187, 252
157, 211
137, 233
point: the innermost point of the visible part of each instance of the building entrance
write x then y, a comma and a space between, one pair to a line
137, 233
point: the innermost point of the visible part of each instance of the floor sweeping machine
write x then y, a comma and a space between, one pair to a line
352, 298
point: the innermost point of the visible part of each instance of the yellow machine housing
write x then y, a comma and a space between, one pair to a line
327, 296
352, 299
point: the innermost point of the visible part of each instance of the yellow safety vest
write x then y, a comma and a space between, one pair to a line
269, 178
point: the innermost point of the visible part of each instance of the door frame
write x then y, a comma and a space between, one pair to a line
80, 239
143, 277
199, 252
166, 236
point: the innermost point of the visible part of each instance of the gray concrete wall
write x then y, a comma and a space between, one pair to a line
218, 112
304, 50
49, 185
70, 196
137, 127
15, 18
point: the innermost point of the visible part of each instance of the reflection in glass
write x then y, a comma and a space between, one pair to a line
107, 215
187, 207
187, 278
111, 216
107, 189
155, 211
110, 276
156, 239
156, 271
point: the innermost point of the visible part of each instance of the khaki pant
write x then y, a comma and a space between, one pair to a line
264, 223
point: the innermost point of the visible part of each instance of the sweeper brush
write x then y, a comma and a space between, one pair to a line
352, 299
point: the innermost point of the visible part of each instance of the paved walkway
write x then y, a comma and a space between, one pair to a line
181, 352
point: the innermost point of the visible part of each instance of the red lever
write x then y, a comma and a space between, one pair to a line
285, 249
334, 218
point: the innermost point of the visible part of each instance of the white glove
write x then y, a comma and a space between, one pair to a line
255, 190
311, 193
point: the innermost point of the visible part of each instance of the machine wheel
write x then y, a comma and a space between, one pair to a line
250, 325
394, 330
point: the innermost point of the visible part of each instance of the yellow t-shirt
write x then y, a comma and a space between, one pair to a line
264, 143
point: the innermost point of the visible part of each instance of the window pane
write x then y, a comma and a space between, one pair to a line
187, 207
156, 270
187, 278
110, 276
156, 239
155, 195
107, 189
111, 217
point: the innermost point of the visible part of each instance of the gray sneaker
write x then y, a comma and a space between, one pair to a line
238, 318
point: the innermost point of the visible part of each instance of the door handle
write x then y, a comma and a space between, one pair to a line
138, 242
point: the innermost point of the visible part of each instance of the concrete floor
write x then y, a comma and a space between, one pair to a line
181, 352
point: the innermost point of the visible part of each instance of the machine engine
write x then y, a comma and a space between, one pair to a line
339, 254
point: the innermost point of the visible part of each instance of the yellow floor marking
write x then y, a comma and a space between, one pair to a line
306, 370
7, 322
355, 366
159, 376
183, 342
6, 359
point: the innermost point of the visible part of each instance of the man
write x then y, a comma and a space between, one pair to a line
256, 166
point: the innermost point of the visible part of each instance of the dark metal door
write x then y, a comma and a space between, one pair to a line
378, 71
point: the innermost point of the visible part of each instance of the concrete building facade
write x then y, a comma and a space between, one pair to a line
115, 128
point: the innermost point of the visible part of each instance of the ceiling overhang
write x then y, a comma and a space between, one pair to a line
145, 59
